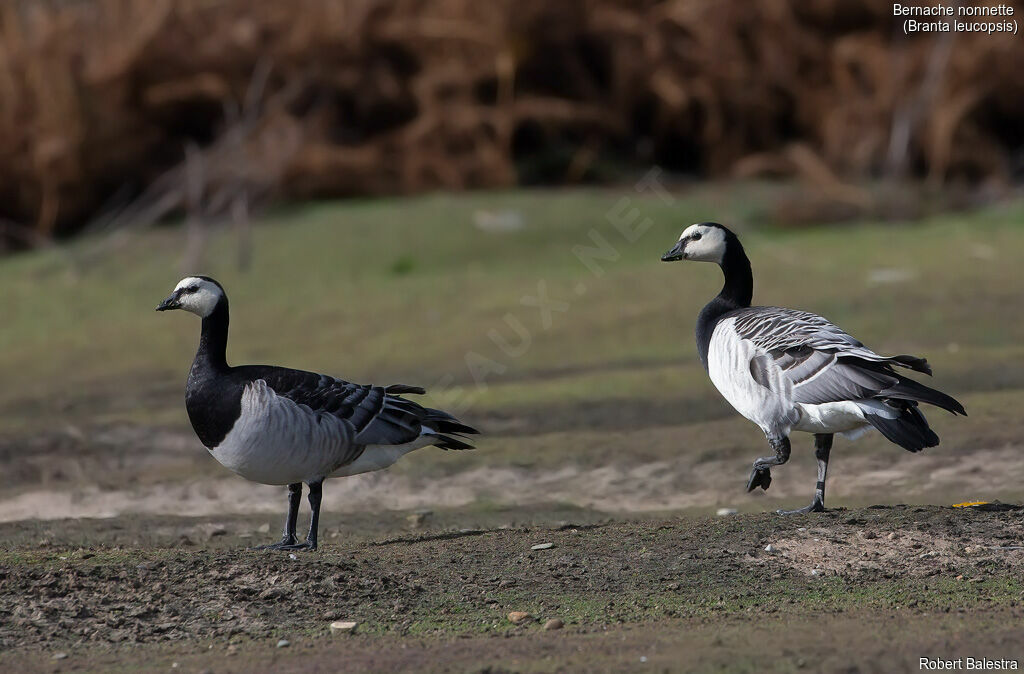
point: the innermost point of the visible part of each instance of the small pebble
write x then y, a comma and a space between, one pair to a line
725, 512
554, 624
769, 548
59, 655
816, 572
292, 555
518, 617
343, 626
543, 546
928, 555
284, 643
891, 536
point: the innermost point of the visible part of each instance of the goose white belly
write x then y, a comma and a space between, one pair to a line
378, 457
276, 441
845, 416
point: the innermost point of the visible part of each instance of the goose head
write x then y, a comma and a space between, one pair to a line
197, 294
703, 242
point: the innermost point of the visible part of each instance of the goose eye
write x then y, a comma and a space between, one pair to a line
695, 236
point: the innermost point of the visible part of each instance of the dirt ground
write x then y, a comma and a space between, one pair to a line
430, 593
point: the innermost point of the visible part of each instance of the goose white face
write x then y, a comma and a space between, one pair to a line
704, 243
193, 294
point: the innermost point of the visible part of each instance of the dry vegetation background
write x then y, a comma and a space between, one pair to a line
130, 110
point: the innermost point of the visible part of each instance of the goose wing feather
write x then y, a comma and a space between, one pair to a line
773, 328
812, 357
815, 377
375, 416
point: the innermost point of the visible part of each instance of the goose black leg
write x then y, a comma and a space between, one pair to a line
822, 448
294, 498
315, 495
761, 475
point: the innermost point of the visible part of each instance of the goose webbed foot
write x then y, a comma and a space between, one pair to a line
759, 477
304, 545
816, 506
285, 543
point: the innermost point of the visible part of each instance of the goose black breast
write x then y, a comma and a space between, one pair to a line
213, 405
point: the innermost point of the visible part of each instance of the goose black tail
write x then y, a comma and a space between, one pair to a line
908, 389
449, 430
891, 385
397, 389
909, 430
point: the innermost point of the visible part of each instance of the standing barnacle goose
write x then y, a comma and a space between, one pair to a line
279, 426
789, 370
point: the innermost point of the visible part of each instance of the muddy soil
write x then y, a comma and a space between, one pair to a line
431, 593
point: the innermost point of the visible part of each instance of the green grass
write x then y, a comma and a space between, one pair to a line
410, 290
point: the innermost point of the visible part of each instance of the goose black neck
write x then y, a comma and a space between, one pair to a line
213, 342
737, 292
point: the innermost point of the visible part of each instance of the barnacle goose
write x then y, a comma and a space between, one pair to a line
284, 427
789, 370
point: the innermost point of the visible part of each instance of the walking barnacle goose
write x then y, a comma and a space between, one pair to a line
789, 370
284, 427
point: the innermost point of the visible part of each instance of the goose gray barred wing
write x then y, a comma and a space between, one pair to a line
816, 377
375, 416
774, 328
778, 330
805, 350
820, 363
378, 415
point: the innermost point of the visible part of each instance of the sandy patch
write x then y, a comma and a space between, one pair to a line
826, 551
653, 486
